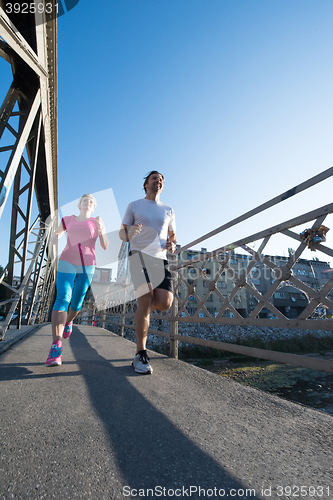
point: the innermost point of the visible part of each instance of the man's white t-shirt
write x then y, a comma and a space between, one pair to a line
156, 219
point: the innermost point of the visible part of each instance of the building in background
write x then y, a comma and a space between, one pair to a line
102, 275
288, 299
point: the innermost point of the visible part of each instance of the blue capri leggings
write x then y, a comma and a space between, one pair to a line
72, 285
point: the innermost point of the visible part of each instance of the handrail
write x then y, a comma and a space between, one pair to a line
18, 293
268, 204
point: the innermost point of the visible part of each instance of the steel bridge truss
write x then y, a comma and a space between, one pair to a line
28, 162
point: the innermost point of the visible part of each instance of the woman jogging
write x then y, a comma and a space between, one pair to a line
76, 269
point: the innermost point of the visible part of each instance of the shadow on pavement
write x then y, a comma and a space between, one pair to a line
151, 452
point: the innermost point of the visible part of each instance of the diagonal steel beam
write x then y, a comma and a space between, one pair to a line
15, 160
18, 43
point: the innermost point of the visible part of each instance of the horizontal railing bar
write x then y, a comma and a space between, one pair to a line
274, 201
279, 228
310, 324
132, 327
314, 324
279, 357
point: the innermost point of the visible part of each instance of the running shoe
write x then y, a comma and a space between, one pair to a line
141, 363
67, 330
54, 358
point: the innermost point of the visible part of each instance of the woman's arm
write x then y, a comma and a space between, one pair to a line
57, 233
102, 233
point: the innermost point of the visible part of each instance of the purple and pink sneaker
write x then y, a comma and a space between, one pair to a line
67, 330
54, 358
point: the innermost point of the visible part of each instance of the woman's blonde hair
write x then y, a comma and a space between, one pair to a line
87, 196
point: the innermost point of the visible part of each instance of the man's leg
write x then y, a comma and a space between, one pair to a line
142, 319
148, 299
162, 299
158, 299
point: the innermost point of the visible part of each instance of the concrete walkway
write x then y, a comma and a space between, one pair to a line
94, 429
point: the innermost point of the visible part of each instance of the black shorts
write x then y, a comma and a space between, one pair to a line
147, 269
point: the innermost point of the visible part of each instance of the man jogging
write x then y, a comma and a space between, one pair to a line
149, 226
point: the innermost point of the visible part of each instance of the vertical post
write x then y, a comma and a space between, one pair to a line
93, 314
173, 330
173, 352
122, 320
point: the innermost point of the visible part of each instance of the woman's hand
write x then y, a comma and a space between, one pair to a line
54, 238
102, 233
100, 224
57, 234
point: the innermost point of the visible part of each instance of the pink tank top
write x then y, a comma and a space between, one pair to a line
81, 240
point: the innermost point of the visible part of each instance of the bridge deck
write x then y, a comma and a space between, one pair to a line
93, 426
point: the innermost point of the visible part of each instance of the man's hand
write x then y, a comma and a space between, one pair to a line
134, 230
170, 245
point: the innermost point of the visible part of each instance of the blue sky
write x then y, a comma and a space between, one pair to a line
230, 99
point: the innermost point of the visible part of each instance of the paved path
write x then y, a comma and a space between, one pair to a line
94, 429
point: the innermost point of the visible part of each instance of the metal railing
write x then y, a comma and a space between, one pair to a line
31, 300
243, 286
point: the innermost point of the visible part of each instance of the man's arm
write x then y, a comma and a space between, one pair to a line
171, 241
127, 233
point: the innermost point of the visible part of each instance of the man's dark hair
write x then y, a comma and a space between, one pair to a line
147, 178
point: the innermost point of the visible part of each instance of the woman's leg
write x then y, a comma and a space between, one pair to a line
58, 320
65, 282
82, 282
81, 285
71, 315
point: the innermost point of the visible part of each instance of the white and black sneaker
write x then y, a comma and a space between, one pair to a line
141, 363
